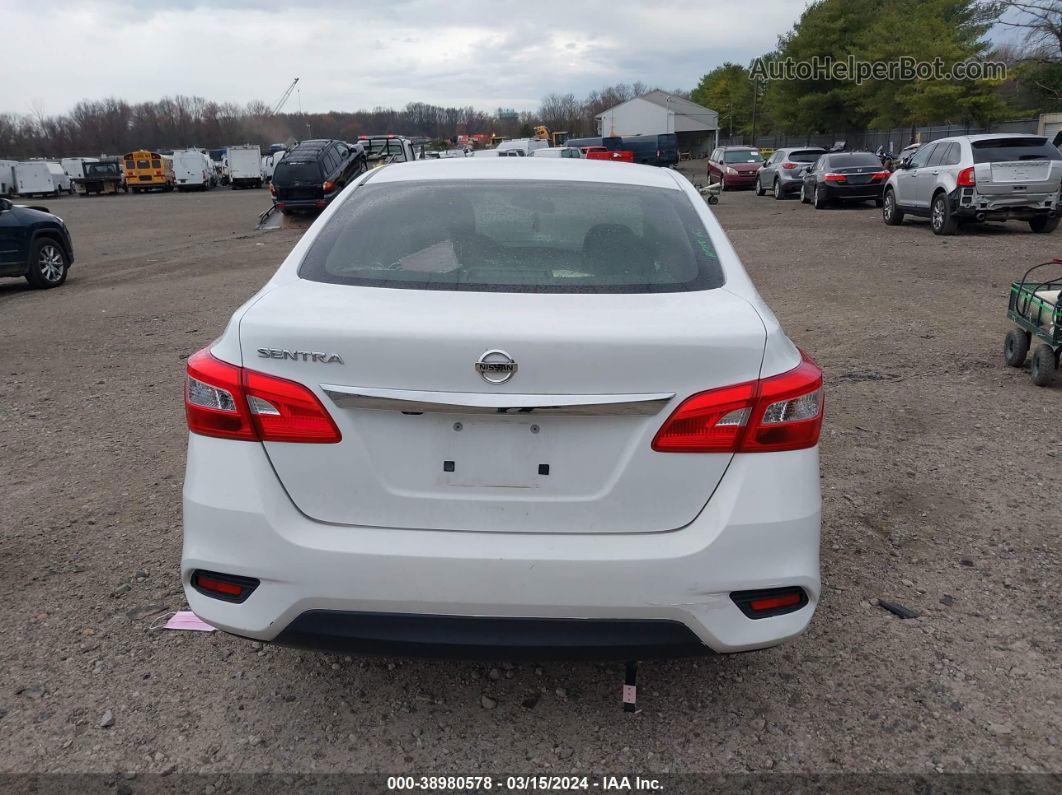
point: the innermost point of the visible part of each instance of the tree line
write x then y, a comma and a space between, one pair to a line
114, 126
884, 31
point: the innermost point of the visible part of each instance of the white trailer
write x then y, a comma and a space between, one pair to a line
245, 166
7, 177
40, 178
75, 166
192, 170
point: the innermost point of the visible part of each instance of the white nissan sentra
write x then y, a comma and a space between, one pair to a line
506, 408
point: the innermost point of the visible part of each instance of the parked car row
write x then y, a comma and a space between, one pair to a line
951, 181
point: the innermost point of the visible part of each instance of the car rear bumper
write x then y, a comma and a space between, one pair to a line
968, 203
739, 180
760, 530
854, 192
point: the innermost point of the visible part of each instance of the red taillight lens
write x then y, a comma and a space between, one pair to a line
286, 411
879, 175
967, 178
213, 399
835, 178
783, 412
328, 186
789, 165
230, 402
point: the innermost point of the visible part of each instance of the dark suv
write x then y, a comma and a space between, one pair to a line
35, 244
313, 173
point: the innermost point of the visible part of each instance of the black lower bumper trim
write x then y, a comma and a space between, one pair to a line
489, 638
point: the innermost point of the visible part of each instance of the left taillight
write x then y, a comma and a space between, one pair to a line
835, 178
230, 402
783, 412
328, 186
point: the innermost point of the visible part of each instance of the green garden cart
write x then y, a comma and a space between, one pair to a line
1035, 307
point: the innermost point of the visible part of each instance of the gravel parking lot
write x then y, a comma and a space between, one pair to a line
941, 482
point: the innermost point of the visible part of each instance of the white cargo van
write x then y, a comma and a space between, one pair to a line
523, 146
7, 177
40, 178
192, 170
269, 164
245, 166
75, 166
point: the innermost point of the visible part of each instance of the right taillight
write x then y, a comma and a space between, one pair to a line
967, 178
230, 402
783, 412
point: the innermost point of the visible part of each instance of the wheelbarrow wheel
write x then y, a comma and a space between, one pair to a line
1016, 347
1044, 366
713, 200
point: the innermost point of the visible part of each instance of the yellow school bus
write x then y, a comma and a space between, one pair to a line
146, 170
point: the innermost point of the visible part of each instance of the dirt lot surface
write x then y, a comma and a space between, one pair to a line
941, 482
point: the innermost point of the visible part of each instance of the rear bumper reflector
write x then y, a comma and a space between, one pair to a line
226, 587
770, 602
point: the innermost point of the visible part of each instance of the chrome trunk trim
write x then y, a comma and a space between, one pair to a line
416, 402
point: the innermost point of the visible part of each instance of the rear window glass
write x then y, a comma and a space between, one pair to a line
742, 156
292, 172
516, 236
854, 160
999, 150
810, 156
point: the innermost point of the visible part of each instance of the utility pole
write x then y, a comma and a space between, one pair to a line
755, 95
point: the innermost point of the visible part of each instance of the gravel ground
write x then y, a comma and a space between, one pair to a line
941, 481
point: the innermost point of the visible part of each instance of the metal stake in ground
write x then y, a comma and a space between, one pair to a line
630, 687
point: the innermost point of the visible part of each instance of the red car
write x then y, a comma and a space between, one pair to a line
601, 153
734, 166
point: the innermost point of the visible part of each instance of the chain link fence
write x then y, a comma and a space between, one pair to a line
893, 139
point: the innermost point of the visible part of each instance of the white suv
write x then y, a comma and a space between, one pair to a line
978, 178
516, 408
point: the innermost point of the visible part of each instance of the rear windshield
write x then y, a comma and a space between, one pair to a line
810, 156
100, 169
854, 160
516, 236
294, 172
999, 150
742, 156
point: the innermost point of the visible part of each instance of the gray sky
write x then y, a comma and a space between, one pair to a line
350, 55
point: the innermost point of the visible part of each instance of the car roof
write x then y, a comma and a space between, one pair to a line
530, 168
316, 143
740, 147
986, 137
801, 149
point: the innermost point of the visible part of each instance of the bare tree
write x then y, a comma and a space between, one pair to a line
1041, 21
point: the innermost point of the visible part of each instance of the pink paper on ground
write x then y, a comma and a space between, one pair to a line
186, 619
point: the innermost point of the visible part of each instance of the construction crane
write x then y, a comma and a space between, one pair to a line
284, 97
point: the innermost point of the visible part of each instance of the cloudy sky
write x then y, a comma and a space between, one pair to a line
354, 54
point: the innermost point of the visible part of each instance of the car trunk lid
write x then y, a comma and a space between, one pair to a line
561, 445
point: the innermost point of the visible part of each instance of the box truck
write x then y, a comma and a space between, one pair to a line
245, 166
40, 178
75, 166
192, 170
7, 178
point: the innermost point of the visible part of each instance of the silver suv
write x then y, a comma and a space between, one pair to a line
783, 172
978, 178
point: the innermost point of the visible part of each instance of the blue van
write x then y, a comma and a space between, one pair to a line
650, 150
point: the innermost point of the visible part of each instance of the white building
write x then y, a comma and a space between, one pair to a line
659, 112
